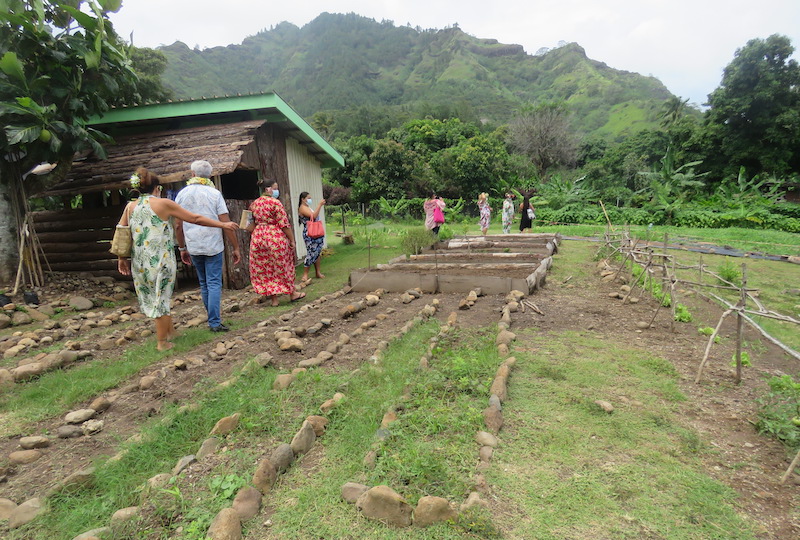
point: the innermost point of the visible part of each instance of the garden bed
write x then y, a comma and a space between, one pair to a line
496, 264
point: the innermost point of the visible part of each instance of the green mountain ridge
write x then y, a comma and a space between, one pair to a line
345, 62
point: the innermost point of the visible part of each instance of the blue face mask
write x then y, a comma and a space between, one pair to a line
275, 193
308, 202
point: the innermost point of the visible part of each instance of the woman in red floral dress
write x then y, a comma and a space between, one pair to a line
272, 271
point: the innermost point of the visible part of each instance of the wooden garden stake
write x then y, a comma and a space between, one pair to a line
794, 463
700, 271
710, 343
740, 324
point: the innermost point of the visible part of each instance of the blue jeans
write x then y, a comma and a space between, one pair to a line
209, 272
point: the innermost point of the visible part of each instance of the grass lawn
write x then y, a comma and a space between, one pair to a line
569, 470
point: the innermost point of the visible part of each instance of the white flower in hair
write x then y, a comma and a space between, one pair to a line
135, 181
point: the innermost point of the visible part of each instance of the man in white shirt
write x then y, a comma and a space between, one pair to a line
201, 246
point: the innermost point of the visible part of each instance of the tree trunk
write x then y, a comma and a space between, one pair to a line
8, 238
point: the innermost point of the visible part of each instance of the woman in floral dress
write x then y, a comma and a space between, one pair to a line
152, 261
486, 210
508, 213
272, 253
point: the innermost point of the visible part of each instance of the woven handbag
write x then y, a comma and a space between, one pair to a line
122, 243
315, 229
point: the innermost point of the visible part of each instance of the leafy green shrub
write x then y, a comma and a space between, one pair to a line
445, 233
787, 224
787, 209
701, 219
416, 239
779, 413
745, 359
682, 313
728, 271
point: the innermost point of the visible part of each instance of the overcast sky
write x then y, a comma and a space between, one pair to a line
685, 43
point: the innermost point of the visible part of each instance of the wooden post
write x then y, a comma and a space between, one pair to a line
740, 324
794, 463
673, 298
708, 346
700, 271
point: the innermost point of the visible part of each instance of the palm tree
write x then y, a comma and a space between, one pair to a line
672, 110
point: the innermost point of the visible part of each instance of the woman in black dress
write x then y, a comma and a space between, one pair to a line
526, 213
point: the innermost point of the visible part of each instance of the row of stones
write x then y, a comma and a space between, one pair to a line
53, 330
381, 502
13, 314
82, 422
29, 368
373, 299
25, 512
247, 503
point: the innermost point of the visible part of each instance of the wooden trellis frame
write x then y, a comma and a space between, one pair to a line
621, 243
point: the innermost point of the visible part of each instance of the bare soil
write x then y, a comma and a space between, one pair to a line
720, 410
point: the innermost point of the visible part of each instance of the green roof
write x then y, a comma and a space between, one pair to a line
218, 110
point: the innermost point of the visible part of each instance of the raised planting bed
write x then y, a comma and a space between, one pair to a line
495, 264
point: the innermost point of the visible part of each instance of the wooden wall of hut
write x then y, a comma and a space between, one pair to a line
78, 240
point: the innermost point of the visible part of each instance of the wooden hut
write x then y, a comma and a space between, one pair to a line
245, 138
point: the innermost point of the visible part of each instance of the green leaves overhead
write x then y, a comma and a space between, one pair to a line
12, 67
20, 135
110, 6
59, 66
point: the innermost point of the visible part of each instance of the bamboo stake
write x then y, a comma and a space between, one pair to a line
739, 324
646, 268
794, 463
708, 346
673, 299
652, 320
755, 325
608, 219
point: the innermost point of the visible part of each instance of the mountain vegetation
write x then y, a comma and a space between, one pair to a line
371, 76
414, 111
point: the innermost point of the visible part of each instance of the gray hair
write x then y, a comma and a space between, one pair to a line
202, 168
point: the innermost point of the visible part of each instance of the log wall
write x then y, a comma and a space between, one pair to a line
79, 240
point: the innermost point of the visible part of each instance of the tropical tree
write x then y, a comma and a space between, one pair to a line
149, 65
543, 134
754, 115
672, 111
672, 186
472, 166
58, 67
390, 171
